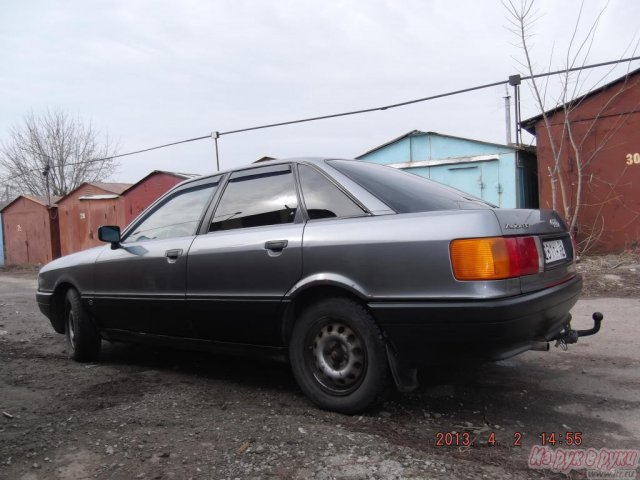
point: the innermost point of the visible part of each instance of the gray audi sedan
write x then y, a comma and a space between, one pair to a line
355, 272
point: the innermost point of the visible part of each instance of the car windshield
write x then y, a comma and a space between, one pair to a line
405, 192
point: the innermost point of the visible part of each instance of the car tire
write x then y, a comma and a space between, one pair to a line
338, 356
83, 340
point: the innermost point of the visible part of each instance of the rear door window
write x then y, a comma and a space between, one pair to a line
257, 197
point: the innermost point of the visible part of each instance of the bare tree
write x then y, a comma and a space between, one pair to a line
566, 139
53, 153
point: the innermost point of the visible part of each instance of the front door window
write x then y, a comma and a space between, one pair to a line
178, 216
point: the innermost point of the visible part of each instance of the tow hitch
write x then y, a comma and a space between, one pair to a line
568, 335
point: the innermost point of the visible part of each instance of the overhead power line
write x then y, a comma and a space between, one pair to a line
156, 148
366, 110
93, 160
425, 99
217, 134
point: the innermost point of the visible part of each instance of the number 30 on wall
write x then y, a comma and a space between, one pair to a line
633, 158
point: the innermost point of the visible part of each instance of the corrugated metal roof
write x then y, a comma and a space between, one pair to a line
179, 174
41, 200
108, 196
420, 132
184, 176
109, 187
116, 188
529, 123
397, 139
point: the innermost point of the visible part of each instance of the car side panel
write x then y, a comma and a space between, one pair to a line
138, 288
400, 257
75, 269
235, 285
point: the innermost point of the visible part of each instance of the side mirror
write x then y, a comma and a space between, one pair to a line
111, 234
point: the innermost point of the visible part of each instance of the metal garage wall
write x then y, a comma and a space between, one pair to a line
487, 170
1, 243
30, 231
148, 190
83, 211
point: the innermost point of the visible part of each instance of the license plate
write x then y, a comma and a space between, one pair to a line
554, 251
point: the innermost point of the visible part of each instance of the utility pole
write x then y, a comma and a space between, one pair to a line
45, 172
515, 81
507, 112
216, 136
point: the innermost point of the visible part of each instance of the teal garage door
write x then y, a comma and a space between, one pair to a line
480, 179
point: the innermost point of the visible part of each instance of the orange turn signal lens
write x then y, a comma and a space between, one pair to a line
494, 258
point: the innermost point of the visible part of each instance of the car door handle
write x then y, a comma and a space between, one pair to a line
276, 245
172, 255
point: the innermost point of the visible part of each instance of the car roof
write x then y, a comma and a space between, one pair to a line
276, 161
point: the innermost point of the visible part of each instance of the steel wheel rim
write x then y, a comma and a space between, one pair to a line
337, 356
72, 333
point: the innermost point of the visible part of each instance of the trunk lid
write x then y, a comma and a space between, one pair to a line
530, 222
554, 244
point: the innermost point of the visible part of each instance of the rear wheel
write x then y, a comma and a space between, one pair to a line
338, 356
83, 340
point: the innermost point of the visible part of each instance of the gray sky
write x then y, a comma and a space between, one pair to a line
152, 72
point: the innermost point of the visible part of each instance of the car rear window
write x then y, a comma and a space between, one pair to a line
405, 192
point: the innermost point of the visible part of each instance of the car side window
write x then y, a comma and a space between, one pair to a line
322, 198
178, 216
257, 197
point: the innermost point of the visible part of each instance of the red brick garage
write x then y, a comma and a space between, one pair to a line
91, 205
146, 191
605, 124
30, 228
83, 210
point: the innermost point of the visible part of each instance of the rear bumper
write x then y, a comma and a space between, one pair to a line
428, 332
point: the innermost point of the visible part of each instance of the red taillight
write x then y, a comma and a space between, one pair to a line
494, 258
574, 245
528, 256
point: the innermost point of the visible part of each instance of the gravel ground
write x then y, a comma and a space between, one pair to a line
157, 413
611, 275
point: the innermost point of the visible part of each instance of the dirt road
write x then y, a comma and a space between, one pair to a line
157, 413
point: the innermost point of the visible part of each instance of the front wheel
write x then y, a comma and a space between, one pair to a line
83, 340
338, 355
